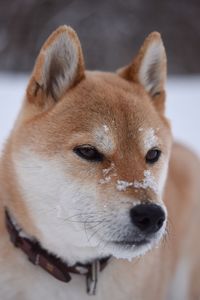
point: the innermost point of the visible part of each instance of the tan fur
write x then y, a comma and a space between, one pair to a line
51, 128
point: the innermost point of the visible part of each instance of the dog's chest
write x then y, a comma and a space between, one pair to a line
36, 287
31, 283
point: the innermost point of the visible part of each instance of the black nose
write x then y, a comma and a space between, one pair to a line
149, 218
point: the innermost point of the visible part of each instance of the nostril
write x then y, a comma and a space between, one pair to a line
143, 222
149, 218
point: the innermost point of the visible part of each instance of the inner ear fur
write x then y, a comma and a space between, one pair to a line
58, 67
149, 68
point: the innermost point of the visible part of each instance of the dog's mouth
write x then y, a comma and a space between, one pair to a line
132, 243
128, 248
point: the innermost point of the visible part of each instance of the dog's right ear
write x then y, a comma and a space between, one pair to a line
59, 66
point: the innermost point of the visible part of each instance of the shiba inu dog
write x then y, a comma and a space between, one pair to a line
91, 182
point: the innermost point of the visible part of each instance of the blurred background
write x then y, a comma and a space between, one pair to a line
110, 31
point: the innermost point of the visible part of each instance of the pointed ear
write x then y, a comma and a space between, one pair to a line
149, 67
59, 66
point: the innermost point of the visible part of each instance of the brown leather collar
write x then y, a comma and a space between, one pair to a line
52, 264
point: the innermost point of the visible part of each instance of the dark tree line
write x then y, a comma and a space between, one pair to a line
110, 30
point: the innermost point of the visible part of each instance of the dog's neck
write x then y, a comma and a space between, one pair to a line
83, 255
50, 262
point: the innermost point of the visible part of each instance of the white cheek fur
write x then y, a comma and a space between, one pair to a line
61, 209
54, 202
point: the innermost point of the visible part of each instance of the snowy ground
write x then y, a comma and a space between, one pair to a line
183, 106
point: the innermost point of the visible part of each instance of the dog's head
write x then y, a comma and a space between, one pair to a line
90, 152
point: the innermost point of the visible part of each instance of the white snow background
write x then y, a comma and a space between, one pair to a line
183, 106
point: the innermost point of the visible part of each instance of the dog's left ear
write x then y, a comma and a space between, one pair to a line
58, 67
149, 68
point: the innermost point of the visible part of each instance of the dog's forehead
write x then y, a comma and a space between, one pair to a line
107, 98
111, 109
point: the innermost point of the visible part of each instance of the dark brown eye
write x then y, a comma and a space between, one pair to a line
88, 152
153, 155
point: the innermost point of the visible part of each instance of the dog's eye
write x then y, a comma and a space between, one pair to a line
153, 155
88, 152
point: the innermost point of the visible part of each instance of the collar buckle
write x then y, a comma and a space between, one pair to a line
92, 278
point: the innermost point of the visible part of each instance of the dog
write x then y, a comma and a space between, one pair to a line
93, 190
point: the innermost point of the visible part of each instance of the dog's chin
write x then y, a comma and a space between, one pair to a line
126, 251
129, 249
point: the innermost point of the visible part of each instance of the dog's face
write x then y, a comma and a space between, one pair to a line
91, 151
